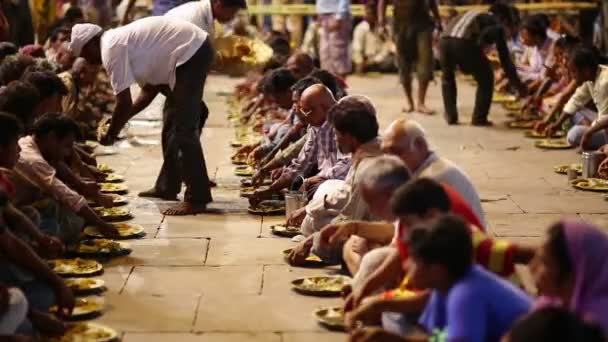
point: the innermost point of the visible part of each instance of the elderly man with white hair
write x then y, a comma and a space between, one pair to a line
166, 55
356, 132
407, 140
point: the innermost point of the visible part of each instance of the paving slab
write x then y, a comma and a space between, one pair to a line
247, 251
195, 280
523, 225
275, 312
314, 336
162, 252
127, 313
210, 226
207, 337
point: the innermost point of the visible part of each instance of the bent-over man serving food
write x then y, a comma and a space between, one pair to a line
166, 55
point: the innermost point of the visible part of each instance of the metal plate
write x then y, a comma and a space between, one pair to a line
324, 286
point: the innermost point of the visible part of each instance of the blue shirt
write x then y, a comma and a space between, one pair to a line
480, 307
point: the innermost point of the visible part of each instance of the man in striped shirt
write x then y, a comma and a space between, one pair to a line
462, 46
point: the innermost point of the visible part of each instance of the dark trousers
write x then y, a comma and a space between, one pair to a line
184, 116
470, 59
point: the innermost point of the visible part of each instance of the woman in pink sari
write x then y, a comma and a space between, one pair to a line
571, 270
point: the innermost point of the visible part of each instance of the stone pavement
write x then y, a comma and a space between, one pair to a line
223, 278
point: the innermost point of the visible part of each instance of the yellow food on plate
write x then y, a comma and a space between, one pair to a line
84, 284
591, 184
321, 285
552, 144
75, 267
284, 230
311, 257
86, 332
113, 188
84, 306
501, 97
244, 171
332, 317
105, 168
124, 229
113, 212
563, 169
114, 178
537, 134
521, 123
100, 246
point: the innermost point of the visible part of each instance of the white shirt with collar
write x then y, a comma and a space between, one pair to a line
596, 91
444, 171
148, 51
198, 13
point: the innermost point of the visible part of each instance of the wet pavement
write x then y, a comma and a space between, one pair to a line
221, 277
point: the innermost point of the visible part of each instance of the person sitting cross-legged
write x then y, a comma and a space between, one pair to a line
467, 303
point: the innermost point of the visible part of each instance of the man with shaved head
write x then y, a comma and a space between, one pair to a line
300, 64
319, 159
406, 139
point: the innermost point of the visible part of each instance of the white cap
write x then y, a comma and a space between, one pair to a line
81, 35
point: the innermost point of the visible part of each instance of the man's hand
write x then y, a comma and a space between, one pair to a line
551, 129
540, 126
258, 178
65, 300
369, 312
585, 140
299, 253
334, 234
109, 231
50, 244
353, 300
311, 182
296, 217
276, 174
260, 195
91, 189
105, 201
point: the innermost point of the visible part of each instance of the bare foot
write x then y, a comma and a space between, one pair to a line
186, 208
46, 323
424, 110
407, 109
157, 194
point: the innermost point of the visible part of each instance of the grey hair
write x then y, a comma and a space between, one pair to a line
384, 174
361, 99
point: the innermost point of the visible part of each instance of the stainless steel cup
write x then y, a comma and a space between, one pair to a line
294, 200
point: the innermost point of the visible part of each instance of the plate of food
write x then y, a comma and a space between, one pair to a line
118, 200
87, 332
534, 134
512, 105
563, 169
321, 286
282, 229
105, 168
590, 184
114, 178
111, 188
114, 214
84, 308
75, 267
85, 286
552, 144
311, 261
521, 124
101, 248
246, 182
244, 171
125, 229
239, 159
503, 97
268, 208
91, 144
332, 318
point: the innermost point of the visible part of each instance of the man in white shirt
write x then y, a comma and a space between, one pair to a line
592, 79
160, 54
202, 13
372, 47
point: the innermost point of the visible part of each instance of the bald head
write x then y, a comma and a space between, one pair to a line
315, 103
300, 64
407, 140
